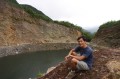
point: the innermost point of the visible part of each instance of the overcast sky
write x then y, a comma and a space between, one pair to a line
85, 13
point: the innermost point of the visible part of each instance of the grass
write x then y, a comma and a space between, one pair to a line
39, 75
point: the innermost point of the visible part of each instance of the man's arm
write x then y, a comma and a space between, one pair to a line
78, 57
70, 53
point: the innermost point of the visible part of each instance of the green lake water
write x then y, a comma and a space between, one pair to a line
28, 65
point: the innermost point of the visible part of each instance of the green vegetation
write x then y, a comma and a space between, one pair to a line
31, 10
68, 24
39, 75
110, 24
35, 13
12, 1
85, 33
88, 35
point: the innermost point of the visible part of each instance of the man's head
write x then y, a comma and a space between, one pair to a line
82, 41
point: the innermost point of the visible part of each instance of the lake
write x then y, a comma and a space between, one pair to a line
28, 65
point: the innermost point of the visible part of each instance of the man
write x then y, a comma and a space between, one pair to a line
81, 56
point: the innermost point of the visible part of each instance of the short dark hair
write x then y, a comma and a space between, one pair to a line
83, 37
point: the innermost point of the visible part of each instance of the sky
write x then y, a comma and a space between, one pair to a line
89, 14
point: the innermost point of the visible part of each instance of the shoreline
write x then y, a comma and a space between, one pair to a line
27, 48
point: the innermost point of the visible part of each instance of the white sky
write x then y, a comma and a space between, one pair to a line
85, 13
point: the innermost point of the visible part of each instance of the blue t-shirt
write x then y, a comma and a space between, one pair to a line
87, 52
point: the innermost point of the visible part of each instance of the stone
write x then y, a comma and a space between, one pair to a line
114, 67
50, 69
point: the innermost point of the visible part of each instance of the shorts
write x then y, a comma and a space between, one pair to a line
81, 65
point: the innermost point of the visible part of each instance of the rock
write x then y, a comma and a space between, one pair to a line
114, 67
102, 56
50, 69
109, 36
70, 75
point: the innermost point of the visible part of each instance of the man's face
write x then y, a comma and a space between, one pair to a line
81, 42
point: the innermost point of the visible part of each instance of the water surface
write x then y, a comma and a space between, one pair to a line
28, 65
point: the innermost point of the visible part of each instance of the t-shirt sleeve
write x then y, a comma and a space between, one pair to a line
76, 49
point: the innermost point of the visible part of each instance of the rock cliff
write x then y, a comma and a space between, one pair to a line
18, 27
108, 35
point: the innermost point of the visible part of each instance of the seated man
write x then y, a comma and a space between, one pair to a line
81, 56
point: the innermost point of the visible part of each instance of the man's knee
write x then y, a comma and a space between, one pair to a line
81, 65
74, 60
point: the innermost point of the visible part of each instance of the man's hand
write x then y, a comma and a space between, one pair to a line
70, 53
66, 58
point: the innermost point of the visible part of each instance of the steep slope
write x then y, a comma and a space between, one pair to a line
108, 34
19, 27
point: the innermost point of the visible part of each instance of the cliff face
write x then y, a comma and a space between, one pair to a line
109, 37
18, 27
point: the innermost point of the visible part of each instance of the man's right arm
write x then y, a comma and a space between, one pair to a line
72, 52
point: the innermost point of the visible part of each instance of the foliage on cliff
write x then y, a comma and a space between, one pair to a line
31, 10
110, 24
68, 24
108, 34
87, 34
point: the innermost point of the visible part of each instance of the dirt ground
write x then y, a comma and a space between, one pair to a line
99, 70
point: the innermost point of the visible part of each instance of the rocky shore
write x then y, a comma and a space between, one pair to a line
27, 48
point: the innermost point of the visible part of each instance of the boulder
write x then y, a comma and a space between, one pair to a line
114, 67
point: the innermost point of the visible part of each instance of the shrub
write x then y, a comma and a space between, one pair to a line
87, 34
30, 10
109, 24
68, 24
35, 13
39, 75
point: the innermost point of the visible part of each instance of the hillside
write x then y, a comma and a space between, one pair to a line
17, 26
108, 35
106, 57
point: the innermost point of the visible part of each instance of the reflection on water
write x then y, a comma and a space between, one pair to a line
28, 65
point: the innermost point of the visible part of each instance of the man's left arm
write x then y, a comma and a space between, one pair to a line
78, 57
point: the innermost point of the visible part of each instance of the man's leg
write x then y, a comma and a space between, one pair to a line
81, 65
74, 63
